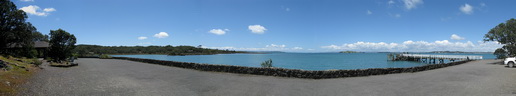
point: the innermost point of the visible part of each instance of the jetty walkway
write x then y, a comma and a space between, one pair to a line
431, 58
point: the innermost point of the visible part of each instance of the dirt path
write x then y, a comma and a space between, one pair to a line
121, 77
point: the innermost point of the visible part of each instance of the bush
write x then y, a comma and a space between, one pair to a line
267, 63
36, 62
48, 59
105, 56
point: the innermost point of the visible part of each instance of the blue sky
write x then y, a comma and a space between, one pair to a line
277, 25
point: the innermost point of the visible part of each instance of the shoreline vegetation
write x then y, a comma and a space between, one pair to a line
97, 50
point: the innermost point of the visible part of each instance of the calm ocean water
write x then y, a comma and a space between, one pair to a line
305, 61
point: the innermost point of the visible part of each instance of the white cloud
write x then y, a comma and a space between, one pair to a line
270, 47
456, 37
35, 10
218, 31
161, 35
466, 9
287, 9
49, 9
142, 38
390, 2
297, 48
257, 29
418, 46
368, 12
410, 4
275, 46
144, 43
27, 0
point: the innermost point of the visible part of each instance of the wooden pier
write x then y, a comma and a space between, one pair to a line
430, 58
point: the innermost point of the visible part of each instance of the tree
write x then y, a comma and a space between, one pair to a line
500, 53
36, 36
61, 44
504, 33
14, 31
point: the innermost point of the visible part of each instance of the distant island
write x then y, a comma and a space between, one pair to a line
350, 52
96, 50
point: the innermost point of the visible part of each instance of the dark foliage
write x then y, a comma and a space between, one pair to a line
61, 45
92, 50
504, 33
16, 35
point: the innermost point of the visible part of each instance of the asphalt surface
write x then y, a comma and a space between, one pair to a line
101, 77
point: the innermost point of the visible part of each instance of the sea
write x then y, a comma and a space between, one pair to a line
304, 61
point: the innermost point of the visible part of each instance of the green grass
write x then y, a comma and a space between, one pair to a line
18, 73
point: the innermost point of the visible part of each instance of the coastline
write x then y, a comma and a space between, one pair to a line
295, 73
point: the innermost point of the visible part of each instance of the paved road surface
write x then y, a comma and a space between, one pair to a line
102, 77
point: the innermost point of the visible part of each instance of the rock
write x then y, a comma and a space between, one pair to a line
2, 64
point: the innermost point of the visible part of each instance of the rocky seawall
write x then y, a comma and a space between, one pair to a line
295, 73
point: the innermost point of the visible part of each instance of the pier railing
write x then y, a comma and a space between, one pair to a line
431, 58
453, 57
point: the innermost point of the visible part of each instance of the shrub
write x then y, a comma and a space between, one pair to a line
48, 59
36, 62
267, 63
105, 56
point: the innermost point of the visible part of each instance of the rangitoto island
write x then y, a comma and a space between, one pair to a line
350, 52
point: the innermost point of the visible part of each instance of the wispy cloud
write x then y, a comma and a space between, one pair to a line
218, 31
27, 0
257, 29
49, 9
390, 2
368, 12
418, 46
142, 38
483, 5
466, 9
411, 4
161, 35
35, 10
456, 37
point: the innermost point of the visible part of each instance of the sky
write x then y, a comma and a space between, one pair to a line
277, 25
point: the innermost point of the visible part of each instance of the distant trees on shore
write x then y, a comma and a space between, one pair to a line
504, 33
95, 50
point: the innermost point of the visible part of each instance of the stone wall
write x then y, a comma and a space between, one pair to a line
296, 73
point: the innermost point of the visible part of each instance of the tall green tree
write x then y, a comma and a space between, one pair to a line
504, 33
36, 36
500, 53
14, 30
61, 44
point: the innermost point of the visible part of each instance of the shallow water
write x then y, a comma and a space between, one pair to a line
305, 61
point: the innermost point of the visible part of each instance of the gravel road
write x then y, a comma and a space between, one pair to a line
101, 77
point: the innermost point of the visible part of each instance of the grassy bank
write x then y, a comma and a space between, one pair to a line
17, 71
